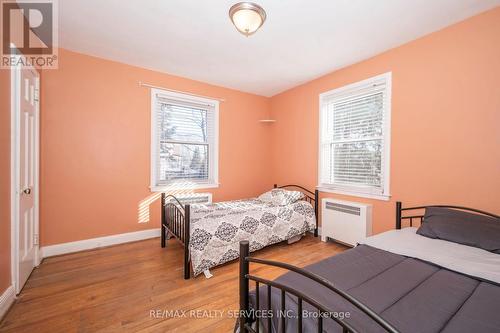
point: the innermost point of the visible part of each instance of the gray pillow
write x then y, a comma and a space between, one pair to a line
462, 227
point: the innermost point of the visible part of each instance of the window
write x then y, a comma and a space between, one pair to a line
184, 147
355, 138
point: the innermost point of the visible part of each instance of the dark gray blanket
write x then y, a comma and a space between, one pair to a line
414, 296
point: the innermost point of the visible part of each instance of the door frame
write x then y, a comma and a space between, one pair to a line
15, 139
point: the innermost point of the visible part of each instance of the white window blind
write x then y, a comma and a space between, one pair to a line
184, 147
355, 138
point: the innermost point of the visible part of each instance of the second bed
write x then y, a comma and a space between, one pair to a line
211, 233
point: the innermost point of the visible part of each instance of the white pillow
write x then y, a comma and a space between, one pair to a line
281, 197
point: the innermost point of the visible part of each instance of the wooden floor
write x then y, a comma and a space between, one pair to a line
117, 288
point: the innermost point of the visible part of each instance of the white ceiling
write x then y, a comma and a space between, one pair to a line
301, 39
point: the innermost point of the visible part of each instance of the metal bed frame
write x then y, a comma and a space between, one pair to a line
176, 217
245, 320
400, 209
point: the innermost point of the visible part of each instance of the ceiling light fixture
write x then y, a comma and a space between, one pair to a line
247, 17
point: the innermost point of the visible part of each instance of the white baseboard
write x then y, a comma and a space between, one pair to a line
94, 243
6, 300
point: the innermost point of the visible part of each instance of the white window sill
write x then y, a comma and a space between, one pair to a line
354, 194
182, 187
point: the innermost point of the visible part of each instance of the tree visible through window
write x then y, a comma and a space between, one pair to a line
354, 147
186, 140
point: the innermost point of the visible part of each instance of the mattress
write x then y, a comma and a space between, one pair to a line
216, 229
414, 295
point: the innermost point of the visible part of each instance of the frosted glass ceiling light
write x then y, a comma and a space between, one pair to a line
247, 17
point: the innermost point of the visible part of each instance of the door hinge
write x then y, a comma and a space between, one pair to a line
37, 95
35, 239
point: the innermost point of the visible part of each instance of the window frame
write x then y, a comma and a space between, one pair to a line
213, 161
353, 88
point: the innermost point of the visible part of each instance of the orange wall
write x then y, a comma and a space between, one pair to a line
445, 145
95, 147
95, 129
5, 278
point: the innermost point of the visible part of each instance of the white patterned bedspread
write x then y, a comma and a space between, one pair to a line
217, 229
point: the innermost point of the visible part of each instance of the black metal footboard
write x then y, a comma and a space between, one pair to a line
246, 277
175, 221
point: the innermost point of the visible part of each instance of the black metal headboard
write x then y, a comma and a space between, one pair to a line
400, 209
311, 197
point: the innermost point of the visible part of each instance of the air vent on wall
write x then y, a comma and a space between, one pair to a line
193, 198
343, 208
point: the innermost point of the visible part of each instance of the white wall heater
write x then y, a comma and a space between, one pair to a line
193, 198
345, 221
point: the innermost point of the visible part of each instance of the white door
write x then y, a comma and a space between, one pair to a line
27, 96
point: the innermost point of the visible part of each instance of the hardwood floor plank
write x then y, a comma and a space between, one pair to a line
115, 289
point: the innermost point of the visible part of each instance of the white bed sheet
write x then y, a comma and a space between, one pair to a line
464, 259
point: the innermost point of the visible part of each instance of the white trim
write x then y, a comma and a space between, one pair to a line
347, 89
15, 84
213, 148
154, 145
355, 194
94, 243
6, 299
182, 187
215, 151
13, 176
36, 181
386, 160
387, 137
